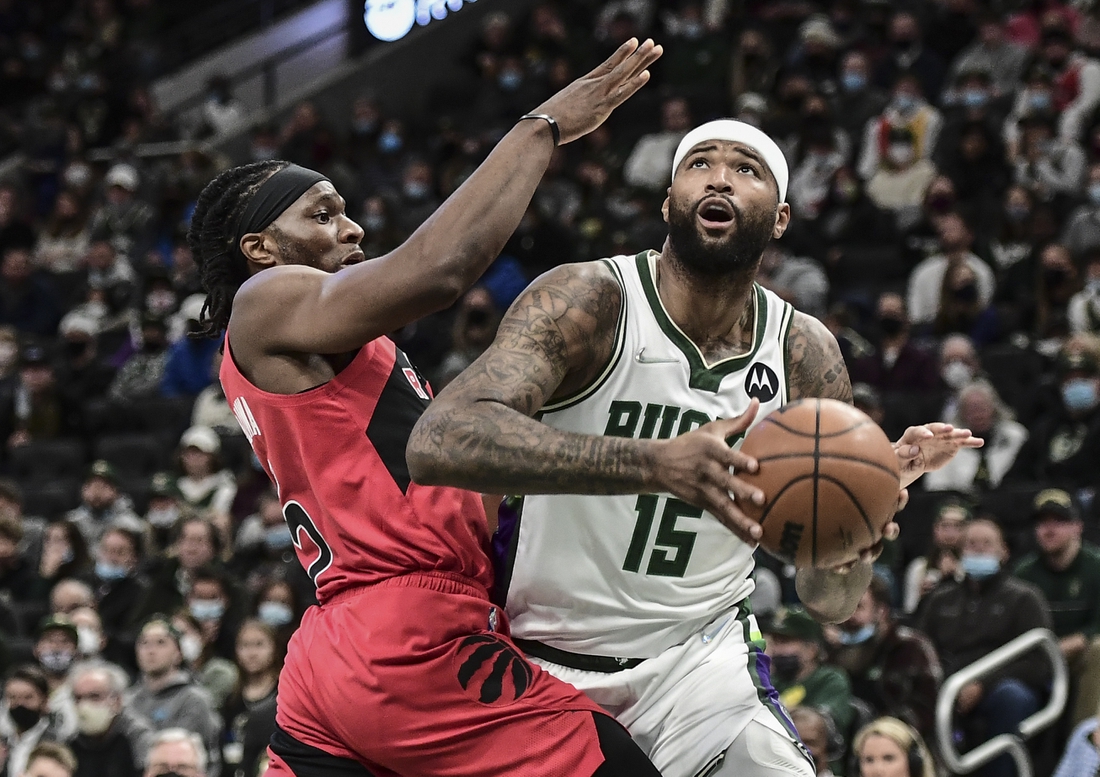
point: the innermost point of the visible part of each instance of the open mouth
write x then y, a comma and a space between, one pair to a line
715, 213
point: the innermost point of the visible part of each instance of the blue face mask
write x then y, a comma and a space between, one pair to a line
974, 98
1094, 193
207, 609
389, 142
857, 637
979, 565
1079, 394
278, 537
510, 80
853, 82
275, 614
1039, 101
905, 103
105, 571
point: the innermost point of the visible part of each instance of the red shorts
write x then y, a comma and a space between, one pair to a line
407, 677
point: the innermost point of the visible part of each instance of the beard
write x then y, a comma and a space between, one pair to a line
733, 254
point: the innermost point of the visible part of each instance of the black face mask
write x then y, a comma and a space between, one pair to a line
1055, 277
891, 326
967, 293
75, 348
24, 718
786, 667
168, 774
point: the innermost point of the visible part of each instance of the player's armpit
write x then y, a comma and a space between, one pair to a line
814, 362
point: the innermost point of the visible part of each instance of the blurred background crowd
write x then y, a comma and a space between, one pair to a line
945, 189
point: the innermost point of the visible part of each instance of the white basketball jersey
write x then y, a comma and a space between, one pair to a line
631, 575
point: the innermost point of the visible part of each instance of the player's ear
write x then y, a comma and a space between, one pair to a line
782, 219
257, 250
664, 205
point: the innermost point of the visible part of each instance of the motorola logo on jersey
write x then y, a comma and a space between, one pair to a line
761, 383
492, 671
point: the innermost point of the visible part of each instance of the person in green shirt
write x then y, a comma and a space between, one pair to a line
1067, 571
795, 643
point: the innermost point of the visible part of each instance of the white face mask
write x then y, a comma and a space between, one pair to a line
88, 641
190, 647
93, 718
900, 153
957, 374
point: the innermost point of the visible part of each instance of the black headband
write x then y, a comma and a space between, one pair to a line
273, 197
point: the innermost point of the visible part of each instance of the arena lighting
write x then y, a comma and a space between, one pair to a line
391, 20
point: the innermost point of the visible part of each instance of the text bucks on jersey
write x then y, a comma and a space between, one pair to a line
634, 575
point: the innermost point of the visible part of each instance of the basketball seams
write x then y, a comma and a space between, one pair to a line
855, 502
826, 435
817, 468
834, 456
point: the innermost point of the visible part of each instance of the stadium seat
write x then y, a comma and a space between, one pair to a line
45, 461
1015, 373
51, 500
236, 452
106, 416
134, 456
166, 417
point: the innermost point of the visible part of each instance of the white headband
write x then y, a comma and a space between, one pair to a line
738, 132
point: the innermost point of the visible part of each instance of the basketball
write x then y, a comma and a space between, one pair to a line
830, 479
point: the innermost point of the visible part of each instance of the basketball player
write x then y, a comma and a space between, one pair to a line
641, 600
405, 668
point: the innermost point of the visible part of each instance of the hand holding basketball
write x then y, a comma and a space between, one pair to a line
698, 467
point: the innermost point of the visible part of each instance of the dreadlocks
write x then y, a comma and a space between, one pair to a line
222, 267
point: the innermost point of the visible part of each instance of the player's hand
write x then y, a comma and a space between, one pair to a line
587, 102
930, 446
699, 467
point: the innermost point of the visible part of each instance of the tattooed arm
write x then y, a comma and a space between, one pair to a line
480, 433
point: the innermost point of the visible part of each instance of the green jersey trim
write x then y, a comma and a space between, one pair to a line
788, 313
620, 343
703, 376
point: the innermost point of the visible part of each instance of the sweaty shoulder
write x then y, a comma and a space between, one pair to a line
814, 362
569, 315
263, 303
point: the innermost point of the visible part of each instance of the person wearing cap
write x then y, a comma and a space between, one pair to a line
187, 370
973, 614
165, 508
206, 486
644, 352
82, 373
799, 672
1049, 165
1067, 571
1076, 76
1064, 445
102, 503
36, 408
167, 695
211, 407
941, 560
123, 217
55, 648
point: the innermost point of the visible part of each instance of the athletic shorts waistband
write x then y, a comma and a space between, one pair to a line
585, 663
443, 582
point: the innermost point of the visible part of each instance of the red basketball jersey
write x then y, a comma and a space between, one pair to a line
336, 454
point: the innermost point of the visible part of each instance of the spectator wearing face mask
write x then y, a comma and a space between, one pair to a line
1011, 244
1052, 167
120, 588
1081, 233
187, 371
123, 218
926, 282
1076, 79
212, 601
216, 674
90, 639
102, 504
1005, 608
142, 374
981, 410
907, 110
55, 651
796, 646
165, 510
992, 52
909, 56
893, 668
36, 408
857, 99
1046, 314
110, 739
277, 605
1084, 307
64, 555
1065, 441
197, 546
211, 409
26, 719
898, 364
417, 198
960, 311
1034, 98
941, 561
82, 373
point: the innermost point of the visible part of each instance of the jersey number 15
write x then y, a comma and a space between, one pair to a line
671, 547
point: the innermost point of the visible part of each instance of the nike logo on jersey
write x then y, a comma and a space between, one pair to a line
641, 358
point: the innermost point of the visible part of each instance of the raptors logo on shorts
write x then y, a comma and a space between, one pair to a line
492, 671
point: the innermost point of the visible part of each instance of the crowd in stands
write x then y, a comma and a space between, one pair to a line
945, 186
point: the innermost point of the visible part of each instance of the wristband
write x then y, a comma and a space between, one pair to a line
549, 120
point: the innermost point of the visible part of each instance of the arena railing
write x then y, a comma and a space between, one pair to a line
1013, 744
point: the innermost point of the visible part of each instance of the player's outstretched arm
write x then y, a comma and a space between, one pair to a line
480, 433
299, 309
